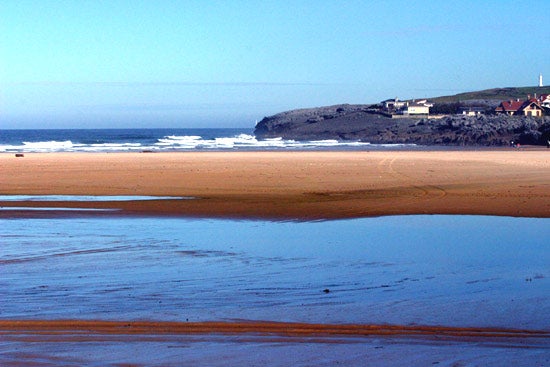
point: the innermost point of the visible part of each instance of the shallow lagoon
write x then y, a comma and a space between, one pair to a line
443, 270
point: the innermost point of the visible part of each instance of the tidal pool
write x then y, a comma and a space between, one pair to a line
436, 270
404, 270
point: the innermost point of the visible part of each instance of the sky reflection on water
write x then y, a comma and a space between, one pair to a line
452, 270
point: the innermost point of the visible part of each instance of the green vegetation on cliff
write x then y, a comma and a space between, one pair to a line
498, 94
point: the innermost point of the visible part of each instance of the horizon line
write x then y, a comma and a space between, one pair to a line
177, 83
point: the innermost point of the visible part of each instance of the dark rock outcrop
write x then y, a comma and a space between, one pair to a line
358, 123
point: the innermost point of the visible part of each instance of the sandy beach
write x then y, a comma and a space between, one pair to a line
292, 185
300, 186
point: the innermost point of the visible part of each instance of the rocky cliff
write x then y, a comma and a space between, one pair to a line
357, 122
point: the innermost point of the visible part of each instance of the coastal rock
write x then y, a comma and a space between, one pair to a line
359, 123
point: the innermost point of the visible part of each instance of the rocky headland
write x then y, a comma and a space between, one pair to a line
361, 123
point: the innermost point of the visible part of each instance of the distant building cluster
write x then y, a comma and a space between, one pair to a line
532, 106
395, 106
471, 110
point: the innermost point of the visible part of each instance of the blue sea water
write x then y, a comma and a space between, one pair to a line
127, 140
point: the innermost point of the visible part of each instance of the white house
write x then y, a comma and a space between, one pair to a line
394, 104
471, 110
532, 107
420, 107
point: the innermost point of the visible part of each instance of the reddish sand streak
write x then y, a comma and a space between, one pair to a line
62, 327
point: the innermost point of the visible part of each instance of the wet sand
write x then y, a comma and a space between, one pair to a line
60, 328
275, 344
292, 185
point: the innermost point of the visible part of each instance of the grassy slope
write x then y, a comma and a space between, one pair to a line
501, 94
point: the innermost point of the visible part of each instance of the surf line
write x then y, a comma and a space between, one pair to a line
262, 328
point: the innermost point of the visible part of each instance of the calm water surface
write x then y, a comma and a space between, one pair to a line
450, 270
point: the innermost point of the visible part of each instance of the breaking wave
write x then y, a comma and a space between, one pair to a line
181, 143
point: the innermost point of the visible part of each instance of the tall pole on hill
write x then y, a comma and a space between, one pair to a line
540, 80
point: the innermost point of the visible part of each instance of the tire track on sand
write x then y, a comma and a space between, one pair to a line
427, 192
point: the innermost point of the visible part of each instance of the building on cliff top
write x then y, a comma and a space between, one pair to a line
396, 107
471, 110
393, 104
530, 107
510, 108
421, 107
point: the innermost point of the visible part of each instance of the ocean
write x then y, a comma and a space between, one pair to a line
175, 139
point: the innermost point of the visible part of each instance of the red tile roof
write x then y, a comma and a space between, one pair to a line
530, 102
510, 106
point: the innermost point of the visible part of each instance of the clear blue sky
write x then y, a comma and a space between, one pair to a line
96, 64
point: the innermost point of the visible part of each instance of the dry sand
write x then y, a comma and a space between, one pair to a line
293, 185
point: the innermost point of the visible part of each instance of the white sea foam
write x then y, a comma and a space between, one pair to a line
244, 141
185, 143
68, 146
55, 145
40, 146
